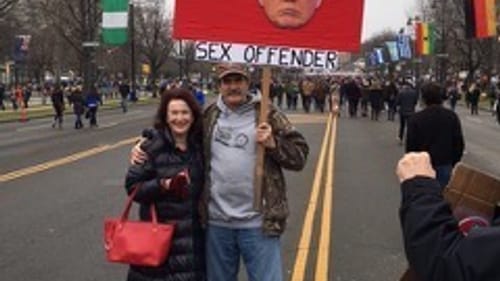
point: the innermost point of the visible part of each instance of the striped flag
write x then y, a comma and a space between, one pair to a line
114, 21
480, 18
424, 41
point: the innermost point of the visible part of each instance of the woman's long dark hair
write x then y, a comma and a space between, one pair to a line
160, 122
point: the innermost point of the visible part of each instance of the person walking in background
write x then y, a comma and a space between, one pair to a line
365, 86
453, 96
492, 92
2, 96
497, 107
474, 94
321, 93
19, 97
57, 98
406, 102
436, 130
376, 99
27, 92
172, 180
353, 93
198, 94
12, 97
334, 96
78, 103
307, 87
279, 93
390, 96
436, 246
292, 93
92, 102
124, 90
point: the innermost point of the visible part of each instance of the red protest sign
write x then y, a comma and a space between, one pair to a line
315, 24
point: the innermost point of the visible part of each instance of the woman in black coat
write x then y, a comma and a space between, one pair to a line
172, 179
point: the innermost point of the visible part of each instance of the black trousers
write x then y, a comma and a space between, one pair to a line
403, 118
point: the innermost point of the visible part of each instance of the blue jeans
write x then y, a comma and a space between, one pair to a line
443, 174
261, 254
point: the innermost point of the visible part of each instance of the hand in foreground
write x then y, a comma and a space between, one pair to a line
265, 135
137, 155
415, 164
178, 184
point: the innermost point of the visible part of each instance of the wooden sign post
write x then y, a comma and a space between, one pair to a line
259, 163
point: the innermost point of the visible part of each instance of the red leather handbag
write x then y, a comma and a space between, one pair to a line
137, 242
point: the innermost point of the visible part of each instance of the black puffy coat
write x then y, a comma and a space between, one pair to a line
186, 259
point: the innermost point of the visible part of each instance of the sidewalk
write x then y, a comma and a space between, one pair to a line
37, 110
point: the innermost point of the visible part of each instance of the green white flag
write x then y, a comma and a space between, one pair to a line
114, 21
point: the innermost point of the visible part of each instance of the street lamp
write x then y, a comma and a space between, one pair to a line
442, 56
132, 48
417, 61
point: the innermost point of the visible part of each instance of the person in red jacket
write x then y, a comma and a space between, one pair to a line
439, 247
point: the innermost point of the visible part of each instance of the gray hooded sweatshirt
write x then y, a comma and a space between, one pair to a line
232, 167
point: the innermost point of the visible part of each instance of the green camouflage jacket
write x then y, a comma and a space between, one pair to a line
290, 153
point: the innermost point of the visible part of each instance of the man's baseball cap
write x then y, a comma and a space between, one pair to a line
225, 69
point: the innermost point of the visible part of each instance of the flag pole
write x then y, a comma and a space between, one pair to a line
132, 49
259, 164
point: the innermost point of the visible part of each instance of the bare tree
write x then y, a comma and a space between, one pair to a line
154, 41
463, 53
41, 55
76, 21
188, 61
5, 6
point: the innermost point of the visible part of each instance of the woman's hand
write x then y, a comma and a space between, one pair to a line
137, 155
178, 184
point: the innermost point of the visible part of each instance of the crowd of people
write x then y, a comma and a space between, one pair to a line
368, 96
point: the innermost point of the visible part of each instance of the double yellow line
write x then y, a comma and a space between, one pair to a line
322, 259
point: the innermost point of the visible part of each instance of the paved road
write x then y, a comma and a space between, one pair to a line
52, 206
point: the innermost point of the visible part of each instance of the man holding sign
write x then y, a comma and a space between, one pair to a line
244, 220
234, 227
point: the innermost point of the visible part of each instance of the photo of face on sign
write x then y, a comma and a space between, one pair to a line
289, 14
311, 24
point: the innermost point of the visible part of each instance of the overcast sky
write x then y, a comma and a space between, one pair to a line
379, 15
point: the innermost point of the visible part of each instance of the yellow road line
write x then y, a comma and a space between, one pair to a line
62, 161
322, 260
305, 238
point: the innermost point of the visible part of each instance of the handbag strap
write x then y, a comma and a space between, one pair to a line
128, 205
